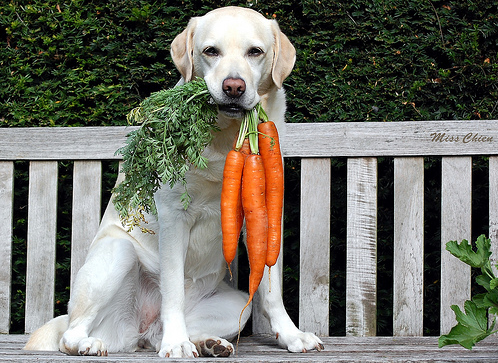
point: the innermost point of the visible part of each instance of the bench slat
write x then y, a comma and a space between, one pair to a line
409, 138
40, 259
493, 210
62, 143
456, 208
408, 299
6, 208
361, 254
349, 139
87, 192
493, 207
314, 283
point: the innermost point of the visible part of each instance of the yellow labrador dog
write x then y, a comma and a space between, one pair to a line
166, 290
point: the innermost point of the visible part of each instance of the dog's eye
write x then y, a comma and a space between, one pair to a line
211, 51
255, 52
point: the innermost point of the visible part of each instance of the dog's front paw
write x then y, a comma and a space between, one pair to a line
214, 347
299, 342
183, 349
82, 346
92, 346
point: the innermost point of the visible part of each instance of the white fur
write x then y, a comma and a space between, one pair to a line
166, 290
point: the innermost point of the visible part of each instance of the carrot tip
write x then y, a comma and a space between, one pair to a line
240, 320
269, 277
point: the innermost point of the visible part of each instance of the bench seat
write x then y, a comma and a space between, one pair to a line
264, 349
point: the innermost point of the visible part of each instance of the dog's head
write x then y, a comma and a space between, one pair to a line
240, 54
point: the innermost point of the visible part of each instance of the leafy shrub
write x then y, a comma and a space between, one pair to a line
89, 62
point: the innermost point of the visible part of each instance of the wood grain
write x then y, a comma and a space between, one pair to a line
87, 192
493, 208
409, 138
408, 299
314, 283
259, 349
361, 253
6, 209
40, 259
456, 221
350, 139
493, 213
62, 143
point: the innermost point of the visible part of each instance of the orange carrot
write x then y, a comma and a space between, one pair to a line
231, 208
269, 148
254, 205
245, 149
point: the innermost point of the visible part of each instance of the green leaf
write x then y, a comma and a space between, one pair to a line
479, 300
484, 281
465, 252
471, 328
493, 284
491, 300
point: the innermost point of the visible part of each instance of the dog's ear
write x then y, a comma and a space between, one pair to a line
182, 51
284, 56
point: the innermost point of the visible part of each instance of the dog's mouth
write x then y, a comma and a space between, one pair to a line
232, 110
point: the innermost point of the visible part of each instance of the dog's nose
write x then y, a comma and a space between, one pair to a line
234, 87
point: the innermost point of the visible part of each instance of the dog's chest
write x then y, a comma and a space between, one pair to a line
204, 256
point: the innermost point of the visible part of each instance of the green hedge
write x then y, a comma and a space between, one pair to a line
88, 62
397, 60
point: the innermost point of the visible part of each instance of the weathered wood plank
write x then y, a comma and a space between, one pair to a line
456, 207
408, 299
62, 143
264, 349
314, 276
361, 254
411, 138
40, 258
493, 207
493, 211
87, 191
350, 139
6, 210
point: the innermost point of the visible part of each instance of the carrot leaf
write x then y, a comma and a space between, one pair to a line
175, 126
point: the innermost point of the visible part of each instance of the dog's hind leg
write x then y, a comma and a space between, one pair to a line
104, 295
214, 320
48, 336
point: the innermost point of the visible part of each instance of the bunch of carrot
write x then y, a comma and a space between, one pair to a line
253, 188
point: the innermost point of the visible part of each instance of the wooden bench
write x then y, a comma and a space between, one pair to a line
361, 144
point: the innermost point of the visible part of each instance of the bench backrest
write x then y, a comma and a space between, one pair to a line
361, 143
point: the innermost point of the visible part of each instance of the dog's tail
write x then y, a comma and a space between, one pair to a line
49, 335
